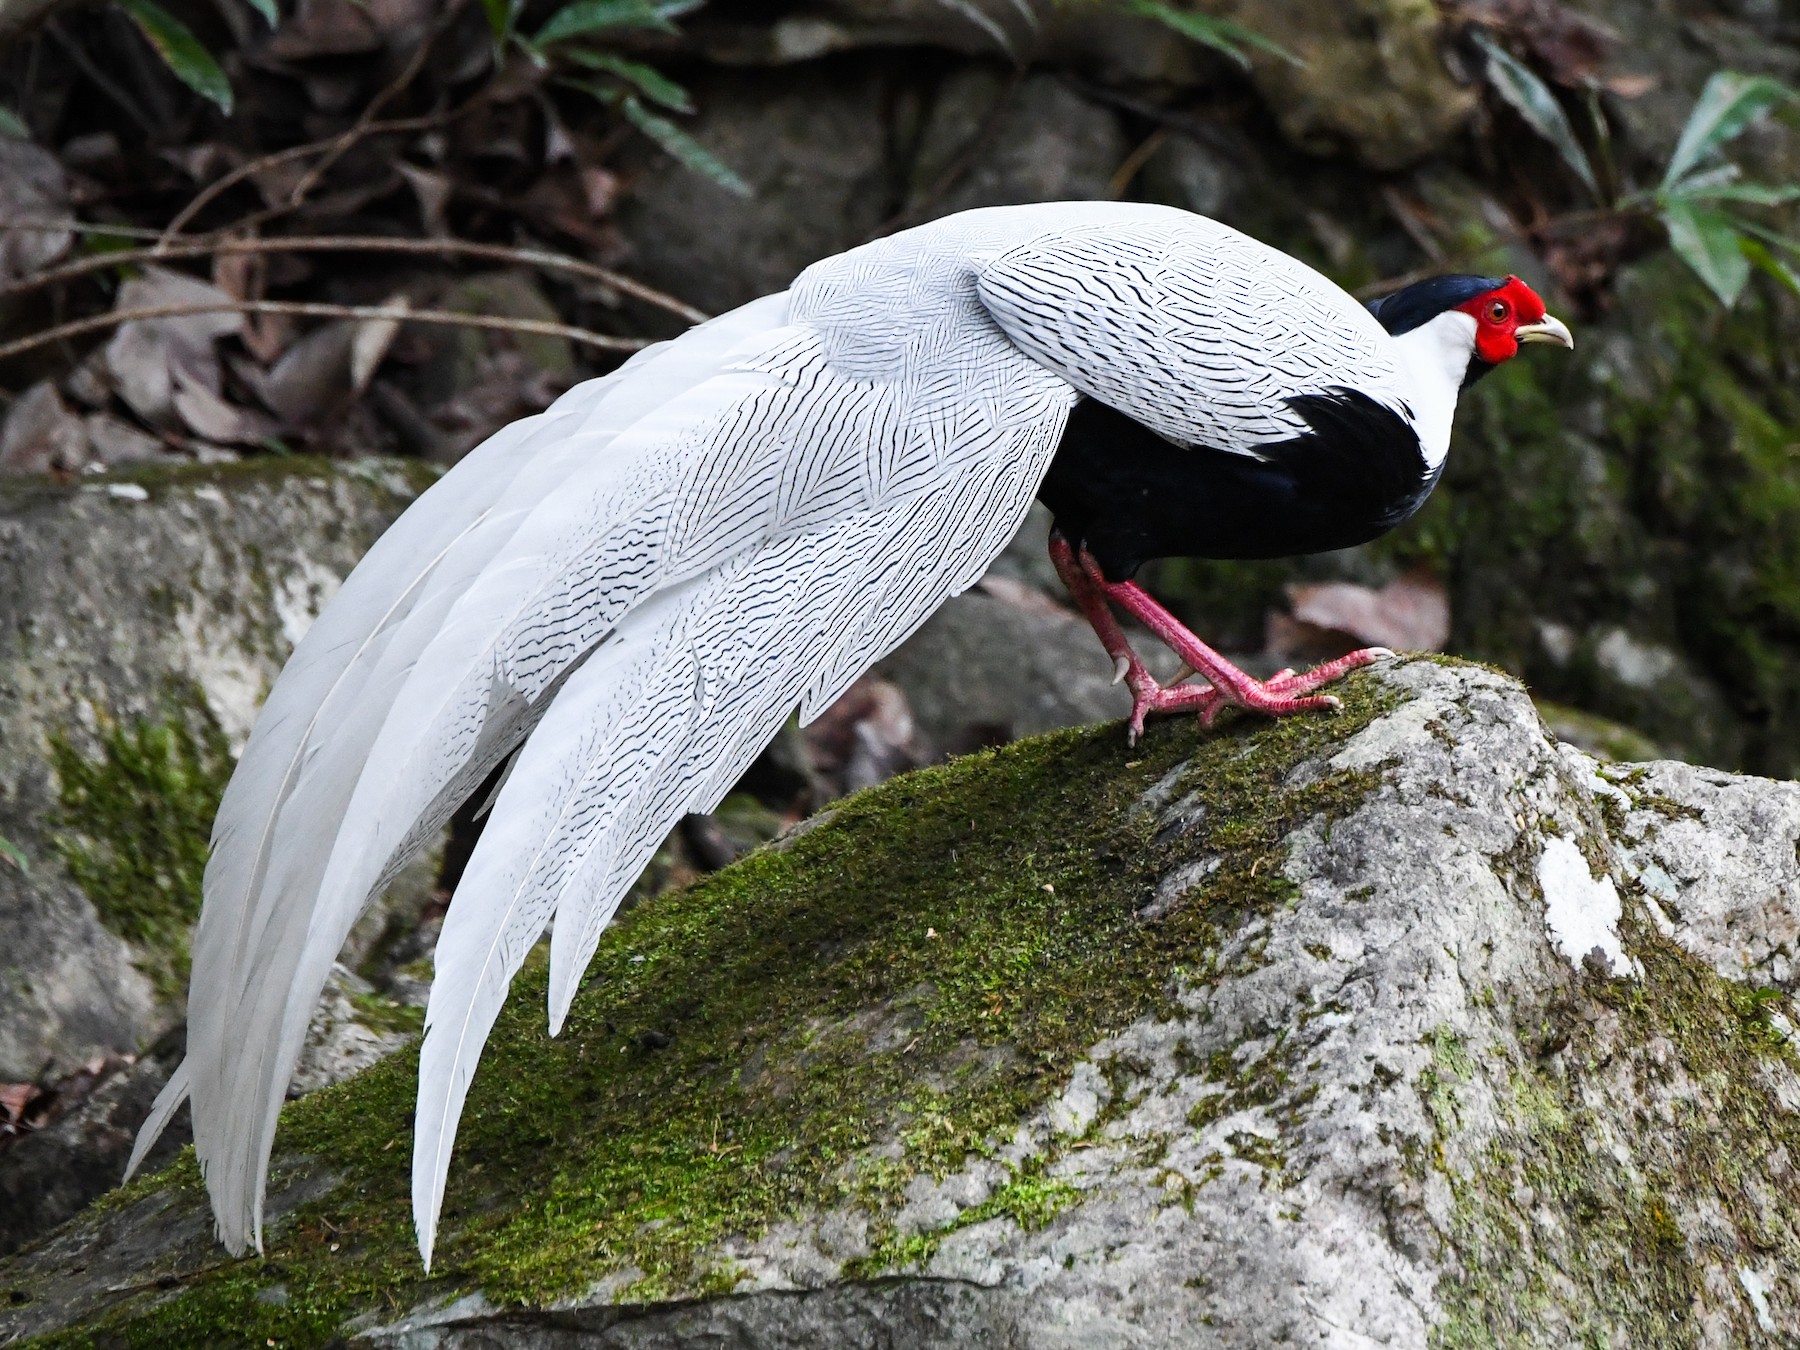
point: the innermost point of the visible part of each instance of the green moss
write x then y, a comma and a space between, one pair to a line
1028, 1197
1599, 736
415, 475
1635, 1152
880, 997
132, 826
385, 1015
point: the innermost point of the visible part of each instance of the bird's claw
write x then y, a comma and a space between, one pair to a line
1281, 694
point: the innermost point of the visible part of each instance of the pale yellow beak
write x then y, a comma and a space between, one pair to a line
1549, 330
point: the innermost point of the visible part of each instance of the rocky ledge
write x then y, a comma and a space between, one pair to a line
1409, 1026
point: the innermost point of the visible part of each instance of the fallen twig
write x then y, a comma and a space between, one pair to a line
366, 118
201, 248
306, 309
225, 182
332, 148
1135, 161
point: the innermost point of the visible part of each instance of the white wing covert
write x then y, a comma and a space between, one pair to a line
1188, 326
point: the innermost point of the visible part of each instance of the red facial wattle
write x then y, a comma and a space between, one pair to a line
1498, 314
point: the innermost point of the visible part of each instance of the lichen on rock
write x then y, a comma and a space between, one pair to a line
1242, 1035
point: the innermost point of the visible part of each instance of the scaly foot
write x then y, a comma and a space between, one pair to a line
1277, 696
1226, 685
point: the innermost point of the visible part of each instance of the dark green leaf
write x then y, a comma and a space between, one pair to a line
1767, 262
1755, 194
1698, 184
267, 9
683, 147
11, 125
1222, 35
593, 16
1768, 236
1711, 244
500, 18
652, 84
181, 51
1729, 103
14, 855
1537, 103
609, 94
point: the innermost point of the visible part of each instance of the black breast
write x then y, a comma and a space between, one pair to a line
1130, 496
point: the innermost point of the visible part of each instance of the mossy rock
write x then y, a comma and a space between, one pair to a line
142, 619
1241, 1036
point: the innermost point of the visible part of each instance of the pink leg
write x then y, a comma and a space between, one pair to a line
1283, 693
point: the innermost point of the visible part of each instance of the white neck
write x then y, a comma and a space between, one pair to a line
1434, 357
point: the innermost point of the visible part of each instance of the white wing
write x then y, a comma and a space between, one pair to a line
1188, 326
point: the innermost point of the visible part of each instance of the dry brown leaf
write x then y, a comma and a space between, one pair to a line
313, 377
1410, 613
212, 418
866, 737
369, 348
91, 383
239, 275
433, 191
1629, 86
41, 434
33, 188
113, 440
142, 354
1569, 45
15, 1097
205, 161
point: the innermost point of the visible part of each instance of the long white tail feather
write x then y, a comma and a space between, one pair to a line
611, 773
167, 1103
539, 605
783, 607
484, 943
308, 816
409, 562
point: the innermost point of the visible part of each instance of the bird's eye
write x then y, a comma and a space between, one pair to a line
1497, 311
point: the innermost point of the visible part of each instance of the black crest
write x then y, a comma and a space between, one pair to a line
1421, 302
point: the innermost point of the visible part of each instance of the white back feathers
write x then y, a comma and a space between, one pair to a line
655, 573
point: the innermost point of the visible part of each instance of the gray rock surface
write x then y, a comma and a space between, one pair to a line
122, 601
167, 600
816, 154
1715, 855
990, 142
1460, 1086
1369, 75
848, 150
49, 1174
